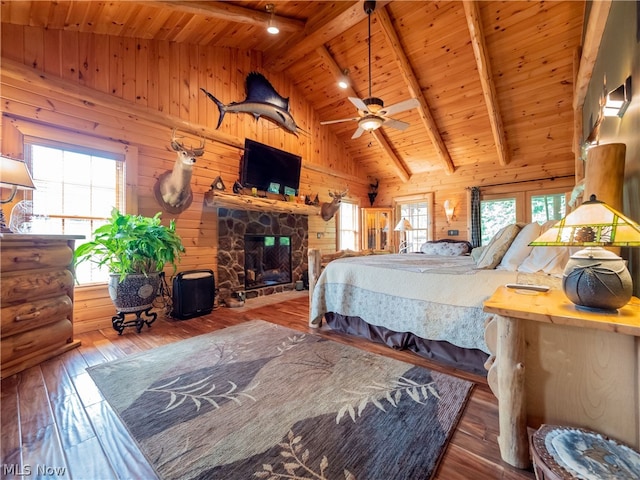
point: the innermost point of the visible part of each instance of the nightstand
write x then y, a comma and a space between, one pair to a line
556, 364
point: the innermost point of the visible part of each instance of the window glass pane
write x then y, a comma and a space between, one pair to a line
348, 226
418, 216
548, 207
75, 193
495, 214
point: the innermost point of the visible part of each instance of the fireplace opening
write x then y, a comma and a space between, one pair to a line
267, 260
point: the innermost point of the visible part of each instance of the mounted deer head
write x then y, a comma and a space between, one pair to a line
173, 189
328, 210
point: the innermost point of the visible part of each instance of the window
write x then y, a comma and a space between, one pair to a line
418, 212
75, 193
495, 214
548, 207
348, 226
78, 180
529, 205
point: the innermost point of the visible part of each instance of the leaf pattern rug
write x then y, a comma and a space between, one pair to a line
260, 401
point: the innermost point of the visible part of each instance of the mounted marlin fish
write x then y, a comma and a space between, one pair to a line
262, 101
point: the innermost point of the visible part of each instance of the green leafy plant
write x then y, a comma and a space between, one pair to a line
132, 244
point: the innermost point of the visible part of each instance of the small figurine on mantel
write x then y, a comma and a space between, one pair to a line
237, 187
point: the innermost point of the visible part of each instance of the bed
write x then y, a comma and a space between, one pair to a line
430, 302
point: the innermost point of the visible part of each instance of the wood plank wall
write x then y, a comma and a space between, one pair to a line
134, 91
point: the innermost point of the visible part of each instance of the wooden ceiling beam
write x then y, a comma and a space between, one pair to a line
481, 54
231, 13
396, 163
415, 90
280, 57
592, 38
382, 141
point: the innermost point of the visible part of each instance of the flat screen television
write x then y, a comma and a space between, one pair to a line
270, 169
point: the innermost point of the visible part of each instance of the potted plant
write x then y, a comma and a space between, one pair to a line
135, 250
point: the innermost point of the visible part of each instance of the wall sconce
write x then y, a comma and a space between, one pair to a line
272, 28
618, 100
448, 210
15, 175
343, 81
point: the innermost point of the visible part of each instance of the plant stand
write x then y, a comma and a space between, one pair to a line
119, 323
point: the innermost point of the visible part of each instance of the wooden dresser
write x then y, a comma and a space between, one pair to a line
36, 299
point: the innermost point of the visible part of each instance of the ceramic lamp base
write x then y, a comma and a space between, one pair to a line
596, 279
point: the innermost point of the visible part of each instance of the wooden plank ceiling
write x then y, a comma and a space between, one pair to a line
494, 80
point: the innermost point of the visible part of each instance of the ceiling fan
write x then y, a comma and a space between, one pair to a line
371, 110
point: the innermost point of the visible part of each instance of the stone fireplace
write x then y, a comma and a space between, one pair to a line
272, 239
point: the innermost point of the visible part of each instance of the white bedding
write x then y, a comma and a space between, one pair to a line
433, 297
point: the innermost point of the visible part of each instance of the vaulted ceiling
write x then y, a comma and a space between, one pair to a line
494, 80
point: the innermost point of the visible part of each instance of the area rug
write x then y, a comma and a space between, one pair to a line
259, 400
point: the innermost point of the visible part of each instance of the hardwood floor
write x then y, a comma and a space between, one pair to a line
55, 423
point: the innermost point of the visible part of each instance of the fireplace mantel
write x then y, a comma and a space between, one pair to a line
214, 198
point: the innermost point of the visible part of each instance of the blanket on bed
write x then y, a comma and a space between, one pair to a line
433, 297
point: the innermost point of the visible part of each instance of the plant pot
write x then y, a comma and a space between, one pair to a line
135, 292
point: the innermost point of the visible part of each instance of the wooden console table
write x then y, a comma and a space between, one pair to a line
555, 364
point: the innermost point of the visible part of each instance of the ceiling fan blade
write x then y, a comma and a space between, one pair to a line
400, 107
397, 124
360, 105
329, 122
358, 133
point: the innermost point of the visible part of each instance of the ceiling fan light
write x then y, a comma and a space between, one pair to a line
370, 123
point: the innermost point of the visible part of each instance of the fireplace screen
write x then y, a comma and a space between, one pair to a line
267, 260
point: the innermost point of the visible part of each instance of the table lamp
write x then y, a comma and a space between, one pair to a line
15, 175
402, 226
595, 278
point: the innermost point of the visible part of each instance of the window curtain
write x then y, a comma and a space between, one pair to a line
476, 234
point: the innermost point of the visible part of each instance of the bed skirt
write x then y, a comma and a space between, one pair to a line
469, 360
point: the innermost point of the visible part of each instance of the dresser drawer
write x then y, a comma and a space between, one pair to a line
40, 339
35, 257
26, 316
18, 287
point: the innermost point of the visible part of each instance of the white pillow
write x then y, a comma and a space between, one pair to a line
497, 247
520, 249
550, 260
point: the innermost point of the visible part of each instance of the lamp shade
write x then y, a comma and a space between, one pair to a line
594, 278
403, 225
14, 173
370, 123
594, 223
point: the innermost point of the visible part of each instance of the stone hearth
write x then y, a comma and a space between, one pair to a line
233, 225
